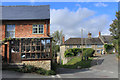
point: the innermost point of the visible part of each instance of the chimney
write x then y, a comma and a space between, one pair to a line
89, 35
99, 33
63, 40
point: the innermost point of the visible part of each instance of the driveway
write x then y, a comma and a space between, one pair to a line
107, 69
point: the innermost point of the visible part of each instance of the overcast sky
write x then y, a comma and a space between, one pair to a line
71, 17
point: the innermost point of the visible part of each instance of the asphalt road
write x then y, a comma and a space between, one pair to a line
107, 69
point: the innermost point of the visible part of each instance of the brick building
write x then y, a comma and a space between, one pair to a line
25, 35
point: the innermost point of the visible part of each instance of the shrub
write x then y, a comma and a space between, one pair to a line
41, 71
88, 52
30, 69
108, 47
50, 72
72, 52
68, 53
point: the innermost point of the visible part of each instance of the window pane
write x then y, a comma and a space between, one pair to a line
43, 55
33, 55
23, 55
34, 30
38, 55
28, 55
10, 31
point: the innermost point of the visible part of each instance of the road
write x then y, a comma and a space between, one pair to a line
107, 69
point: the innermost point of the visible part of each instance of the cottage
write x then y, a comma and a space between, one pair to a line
26, 35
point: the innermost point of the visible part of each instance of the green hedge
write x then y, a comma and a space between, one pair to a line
88, 52
108, 47
74, 52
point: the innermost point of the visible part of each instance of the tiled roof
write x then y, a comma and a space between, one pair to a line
107, 38
85, 41
25, 12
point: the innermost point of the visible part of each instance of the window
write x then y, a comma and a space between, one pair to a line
78, 46
10, 31
98, 51
38, 29
99, 46
70, 46
88, 46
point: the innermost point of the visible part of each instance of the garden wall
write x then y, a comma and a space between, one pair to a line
45, 64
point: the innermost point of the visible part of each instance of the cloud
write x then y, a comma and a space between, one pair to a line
100, 4
71, 22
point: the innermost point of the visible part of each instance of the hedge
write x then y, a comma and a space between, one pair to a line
74, 52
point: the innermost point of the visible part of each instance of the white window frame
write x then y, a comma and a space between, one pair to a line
10, 31
37, 26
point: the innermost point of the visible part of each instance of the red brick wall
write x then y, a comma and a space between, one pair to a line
23, 29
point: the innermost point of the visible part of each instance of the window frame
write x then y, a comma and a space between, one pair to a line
37, 28
9, 31
99, 46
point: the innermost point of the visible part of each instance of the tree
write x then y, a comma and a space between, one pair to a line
57, 37
115, 31
57, 41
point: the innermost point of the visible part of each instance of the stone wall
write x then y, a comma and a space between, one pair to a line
45, 64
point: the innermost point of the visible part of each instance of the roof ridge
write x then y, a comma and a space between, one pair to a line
25, 6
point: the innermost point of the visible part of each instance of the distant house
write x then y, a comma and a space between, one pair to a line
26, 35
106, 39
89, 42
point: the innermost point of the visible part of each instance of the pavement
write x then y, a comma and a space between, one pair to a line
108, 68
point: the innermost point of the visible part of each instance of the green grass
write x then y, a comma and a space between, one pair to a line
75, 62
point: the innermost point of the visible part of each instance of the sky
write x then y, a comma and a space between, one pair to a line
71, 17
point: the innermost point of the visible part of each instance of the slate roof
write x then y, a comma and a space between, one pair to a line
25, 12
107, 38
77, 41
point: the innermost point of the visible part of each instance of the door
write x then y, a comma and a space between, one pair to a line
5, 52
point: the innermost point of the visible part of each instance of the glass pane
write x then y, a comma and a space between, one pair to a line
47, 55
28, 55
48, 48
10, 27
27, 48
23, 55
34, 30
38, 48
23, 48
47, 41
43, 55
38, 55
33, 48
33, 55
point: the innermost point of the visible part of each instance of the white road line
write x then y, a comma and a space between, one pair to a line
58, 76
111, 72
52, 76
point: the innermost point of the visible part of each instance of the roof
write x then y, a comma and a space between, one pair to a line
25, 12
77, 41
107, 38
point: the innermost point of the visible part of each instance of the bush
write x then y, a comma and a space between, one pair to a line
30, 69
68, 53
88, 52
41, 71
50, 72
75, 51
108, 47
72, 52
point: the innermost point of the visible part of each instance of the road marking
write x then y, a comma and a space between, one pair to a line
52, 76
111, 72
58, 76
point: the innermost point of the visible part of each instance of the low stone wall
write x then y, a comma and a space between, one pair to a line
45, 64
66, 59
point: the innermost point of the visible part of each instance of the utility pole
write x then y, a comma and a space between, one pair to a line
82, 41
